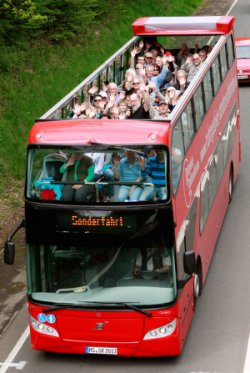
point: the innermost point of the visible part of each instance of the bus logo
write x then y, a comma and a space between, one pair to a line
100, 325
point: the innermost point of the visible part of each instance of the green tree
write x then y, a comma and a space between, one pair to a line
55, 19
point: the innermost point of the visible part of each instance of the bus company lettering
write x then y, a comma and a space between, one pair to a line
217, 117
191, 168
97, 221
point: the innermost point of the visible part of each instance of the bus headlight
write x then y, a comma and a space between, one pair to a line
43, 328
162, 331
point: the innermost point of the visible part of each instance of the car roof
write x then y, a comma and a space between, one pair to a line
242, 41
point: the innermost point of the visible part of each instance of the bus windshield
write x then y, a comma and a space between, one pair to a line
97, 175
103, 270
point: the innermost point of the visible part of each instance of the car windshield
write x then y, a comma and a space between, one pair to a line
243, 51
121, 174
103, 270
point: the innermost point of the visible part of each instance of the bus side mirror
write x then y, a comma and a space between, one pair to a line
9, 247
9, 252
189, 262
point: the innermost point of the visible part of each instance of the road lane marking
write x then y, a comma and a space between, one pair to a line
247, 358
15, 351
231, 7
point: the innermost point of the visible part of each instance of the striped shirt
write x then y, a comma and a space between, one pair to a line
156, 171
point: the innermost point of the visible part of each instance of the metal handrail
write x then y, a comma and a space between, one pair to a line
57, 111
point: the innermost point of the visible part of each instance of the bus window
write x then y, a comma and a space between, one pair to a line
126, 174
177, 156
199, 109
78, 274
230, 51
204, 204
216, 74
213, 179
187, 125
208, 89
223, 61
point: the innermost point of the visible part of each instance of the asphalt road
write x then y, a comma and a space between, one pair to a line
218, 338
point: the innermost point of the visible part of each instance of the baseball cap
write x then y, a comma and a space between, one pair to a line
103, 94
163, 102
148, 54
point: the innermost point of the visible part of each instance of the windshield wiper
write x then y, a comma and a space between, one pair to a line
61, 307
128, 305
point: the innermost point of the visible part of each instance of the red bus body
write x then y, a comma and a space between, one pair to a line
125, 329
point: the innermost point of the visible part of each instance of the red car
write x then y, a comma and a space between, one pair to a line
243, 59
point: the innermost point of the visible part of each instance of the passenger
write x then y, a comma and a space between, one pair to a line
141, 60
192, 66
127, 83
151, 43
130, 171
154, 171
182, 55
78, 168
181, 81
113, 94
76, 109
110, 173
148, 58
159, 79
138, 87
171, 97
203, 55
101, 174
172, 67
159, 62
104, 97
156, 70
96, 111
152, 259
122, 111
160, 112
139, 107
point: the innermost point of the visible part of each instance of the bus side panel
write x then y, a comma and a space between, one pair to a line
186, 309
207, 241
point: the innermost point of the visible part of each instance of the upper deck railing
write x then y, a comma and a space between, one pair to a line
113, 69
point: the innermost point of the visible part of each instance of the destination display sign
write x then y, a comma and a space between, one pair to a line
88, 222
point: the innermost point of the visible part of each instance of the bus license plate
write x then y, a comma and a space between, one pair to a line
243, 77
102, 350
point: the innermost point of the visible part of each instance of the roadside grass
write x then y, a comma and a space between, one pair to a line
35, 76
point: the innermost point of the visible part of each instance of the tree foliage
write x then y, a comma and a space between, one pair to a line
53, 19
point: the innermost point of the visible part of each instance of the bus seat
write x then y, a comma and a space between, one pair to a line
51, 167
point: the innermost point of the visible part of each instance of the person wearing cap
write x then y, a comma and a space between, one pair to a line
148, 58
160, 112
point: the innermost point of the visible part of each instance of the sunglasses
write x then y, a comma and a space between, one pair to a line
97, 100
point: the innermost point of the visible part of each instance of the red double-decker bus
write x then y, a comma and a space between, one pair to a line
121, 275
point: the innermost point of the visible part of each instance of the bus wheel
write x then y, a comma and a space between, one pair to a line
231, 185
198, 281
